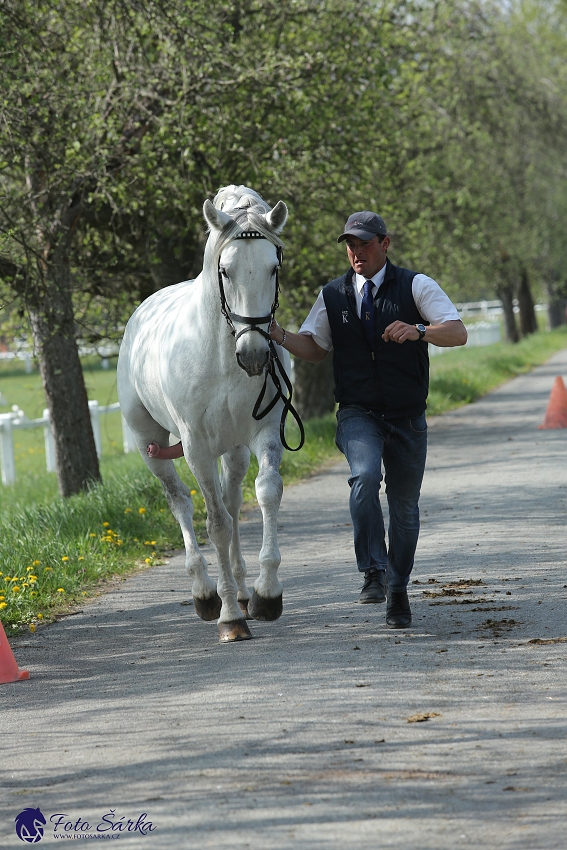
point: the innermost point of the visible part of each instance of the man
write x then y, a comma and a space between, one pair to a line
378, 319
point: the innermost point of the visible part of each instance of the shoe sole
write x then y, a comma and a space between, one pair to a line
371, 601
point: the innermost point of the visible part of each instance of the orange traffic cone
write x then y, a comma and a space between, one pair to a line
556, 414
9, 670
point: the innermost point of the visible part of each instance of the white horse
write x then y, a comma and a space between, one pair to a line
181, 373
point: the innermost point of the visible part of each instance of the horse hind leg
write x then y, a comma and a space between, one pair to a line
206, 600
234, 465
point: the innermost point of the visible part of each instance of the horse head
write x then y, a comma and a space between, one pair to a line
245, 251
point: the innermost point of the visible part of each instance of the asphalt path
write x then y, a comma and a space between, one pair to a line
313, 734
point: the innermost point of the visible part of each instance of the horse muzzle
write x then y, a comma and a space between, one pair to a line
253, 362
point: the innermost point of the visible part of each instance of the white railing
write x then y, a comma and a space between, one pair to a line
480, 333
17, 419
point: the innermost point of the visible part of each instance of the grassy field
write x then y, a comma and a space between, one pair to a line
54, 552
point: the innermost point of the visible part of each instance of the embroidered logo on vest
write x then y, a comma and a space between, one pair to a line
345, 317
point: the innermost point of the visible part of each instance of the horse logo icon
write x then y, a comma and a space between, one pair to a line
29, 825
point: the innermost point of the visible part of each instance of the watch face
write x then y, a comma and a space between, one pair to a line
421, 328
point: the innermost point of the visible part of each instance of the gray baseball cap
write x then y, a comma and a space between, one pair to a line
365, 225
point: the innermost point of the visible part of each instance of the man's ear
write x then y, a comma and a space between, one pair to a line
216, 219
277, 217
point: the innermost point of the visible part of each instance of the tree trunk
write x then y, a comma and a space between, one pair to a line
314, 388
528, 321
557, 312
506, 295
556, 300
52, 318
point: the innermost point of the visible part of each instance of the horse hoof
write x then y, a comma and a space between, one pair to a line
235, 630
243, 605
260, 608
208, 609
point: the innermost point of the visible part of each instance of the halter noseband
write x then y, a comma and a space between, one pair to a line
252, 323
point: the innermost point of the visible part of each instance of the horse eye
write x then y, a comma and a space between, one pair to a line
223, 272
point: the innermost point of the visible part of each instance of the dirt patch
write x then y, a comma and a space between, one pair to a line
422, 716
498, 627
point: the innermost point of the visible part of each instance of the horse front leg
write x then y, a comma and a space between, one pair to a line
234, 465
231, 624
267, 602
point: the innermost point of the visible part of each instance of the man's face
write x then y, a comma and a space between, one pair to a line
367, 258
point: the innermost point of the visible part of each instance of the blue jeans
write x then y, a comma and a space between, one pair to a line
367, 440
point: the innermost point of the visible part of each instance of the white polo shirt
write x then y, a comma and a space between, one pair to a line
433, 304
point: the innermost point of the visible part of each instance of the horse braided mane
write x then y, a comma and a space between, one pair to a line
247, 210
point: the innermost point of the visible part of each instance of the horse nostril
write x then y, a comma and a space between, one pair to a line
252, 364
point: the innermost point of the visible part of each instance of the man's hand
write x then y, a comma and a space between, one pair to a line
445, 335
400, 332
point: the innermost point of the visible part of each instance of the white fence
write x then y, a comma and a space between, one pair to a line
480, 333
17, 420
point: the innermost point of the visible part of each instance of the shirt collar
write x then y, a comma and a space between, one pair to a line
377, 280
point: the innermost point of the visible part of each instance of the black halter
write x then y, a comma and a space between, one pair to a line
252, 323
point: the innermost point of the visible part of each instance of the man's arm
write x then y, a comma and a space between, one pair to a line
445, 335
301, 345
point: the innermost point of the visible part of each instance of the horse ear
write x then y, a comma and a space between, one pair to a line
277, 217
216, 219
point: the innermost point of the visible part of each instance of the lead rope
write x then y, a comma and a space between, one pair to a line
288, 406
273, 362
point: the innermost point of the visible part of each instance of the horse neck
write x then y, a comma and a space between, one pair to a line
215, 327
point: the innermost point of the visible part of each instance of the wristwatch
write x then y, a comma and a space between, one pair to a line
421, 330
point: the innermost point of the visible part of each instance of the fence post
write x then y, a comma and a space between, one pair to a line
95, 422
7, 449
49, 444
128, 437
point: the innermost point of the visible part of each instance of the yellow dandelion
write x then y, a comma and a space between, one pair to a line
48, 569
32, 627
106, 524
36, 563
33, 593
15, 587
153, 542
92, 534
80, 558
39, 616
15, 578
25, 584
148, 560
64, 558
193, 492
32, 578
147, 543
141, 510
3, 604
2, 598
83, 593
7, 578
128, 511
60, 590
29, 569
119, 543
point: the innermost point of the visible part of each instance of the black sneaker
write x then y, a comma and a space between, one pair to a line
374, 587
398, 612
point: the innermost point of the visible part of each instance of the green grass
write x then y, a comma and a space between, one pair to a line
461, 375
58, 551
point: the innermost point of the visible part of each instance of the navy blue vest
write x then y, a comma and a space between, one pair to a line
392, 379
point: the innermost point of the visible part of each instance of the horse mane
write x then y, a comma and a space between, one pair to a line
247, 210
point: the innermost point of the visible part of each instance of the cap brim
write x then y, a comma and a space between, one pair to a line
365, 235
